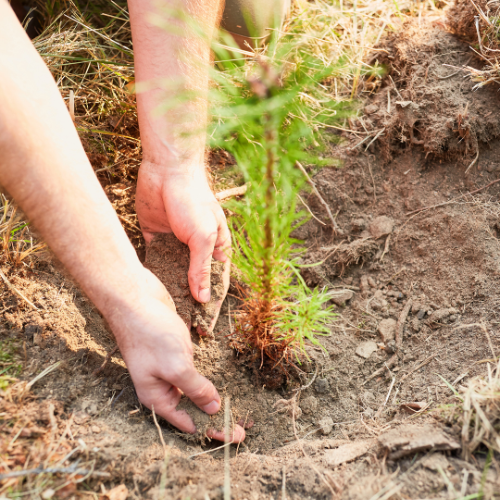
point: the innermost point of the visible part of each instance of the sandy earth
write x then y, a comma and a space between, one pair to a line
409, 232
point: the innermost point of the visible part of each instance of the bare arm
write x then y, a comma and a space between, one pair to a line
43, 166
172, 191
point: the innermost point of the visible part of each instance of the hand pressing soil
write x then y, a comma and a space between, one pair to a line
212, 426
168, 259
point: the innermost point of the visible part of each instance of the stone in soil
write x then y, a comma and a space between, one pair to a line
340, 297
366, 349
387, 329
381, 226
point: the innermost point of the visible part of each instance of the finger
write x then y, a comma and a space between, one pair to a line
237, 436
201, 247
148, 237
163, 398
222, 250
217, 306
199, 390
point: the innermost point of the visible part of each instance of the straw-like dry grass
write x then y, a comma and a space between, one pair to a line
17, 242
478, 21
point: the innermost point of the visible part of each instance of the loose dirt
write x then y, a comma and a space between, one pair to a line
426, 101
346, 435
168, 259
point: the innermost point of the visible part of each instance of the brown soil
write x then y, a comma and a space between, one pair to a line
432, 106
345, 435
168, 259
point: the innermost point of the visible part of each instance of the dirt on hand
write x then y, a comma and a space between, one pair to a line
205, 422
168, 259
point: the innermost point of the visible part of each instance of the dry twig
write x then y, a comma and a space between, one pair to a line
320, 198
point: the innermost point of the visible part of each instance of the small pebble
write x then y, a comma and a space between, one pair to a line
321, 385
326, 425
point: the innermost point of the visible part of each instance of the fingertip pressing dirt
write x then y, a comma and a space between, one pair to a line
168, 259
204, 422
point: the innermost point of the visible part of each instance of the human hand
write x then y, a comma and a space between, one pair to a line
182, 203
156, 346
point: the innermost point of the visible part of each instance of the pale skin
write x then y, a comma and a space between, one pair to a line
44, 168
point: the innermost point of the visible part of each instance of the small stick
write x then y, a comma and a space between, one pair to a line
473, 162
105, 362
375, 138
388, 100
320, 198
283, 484
373, 182
420, 365
54, 470
226, 445
45, 372
227, 438
302, 388
489, 339
454, 199
159, 431
229, 193
389, 364
392, 277
310, 211
379, 411
15, 290
386, 248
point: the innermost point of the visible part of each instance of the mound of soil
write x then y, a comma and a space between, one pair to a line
464, 18
168, 259
426, 103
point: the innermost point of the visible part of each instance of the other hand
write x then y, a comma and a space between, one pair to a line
156, 346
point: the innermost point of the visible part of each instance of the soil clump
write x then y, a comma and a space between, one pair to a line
168, 259
426, 103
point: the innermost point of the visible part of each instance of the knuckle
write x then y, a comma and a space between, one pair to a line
201, 393
199, 274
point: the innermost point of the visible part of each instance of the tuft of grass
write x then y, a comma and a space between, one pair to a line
18, 244
478, 21
10, 362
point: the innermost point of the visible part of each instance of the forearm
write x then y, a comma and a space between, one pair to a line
174, 140
44, 168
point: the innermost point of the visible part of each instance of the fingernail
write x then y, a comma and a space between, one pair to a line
211, 408
204, 295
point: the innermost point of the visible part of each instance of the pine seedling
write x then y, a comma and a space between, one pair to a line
267, 114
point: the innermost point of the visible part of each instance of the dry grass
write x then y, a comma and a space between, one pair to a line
481, 413
478, 21
39, 457
17, 242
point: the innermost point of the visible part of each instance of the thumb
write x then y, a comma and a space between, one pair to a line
201, 247
200, 391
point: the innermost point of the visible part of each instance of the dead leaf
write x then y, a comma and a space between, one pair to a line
409, 439
117, 493
347, 452
414, 407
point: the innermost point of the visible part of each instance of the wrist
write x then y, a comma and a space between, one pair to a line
136, 294
174, 172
